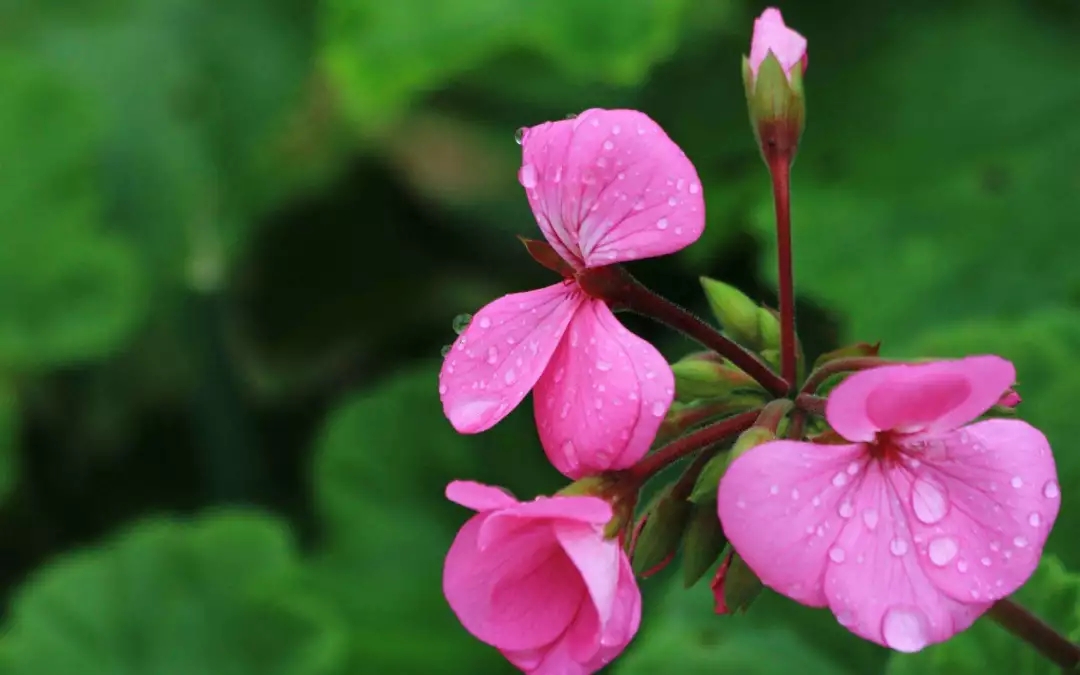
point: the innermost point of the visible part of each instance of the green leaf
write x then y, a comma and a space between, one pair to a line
9, 439
383, 55
173, 598
70, 291
932, 180
1052, 593
382, 464
1045, 346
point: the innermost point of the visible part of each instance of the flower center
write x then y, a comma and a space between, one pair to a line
884, 447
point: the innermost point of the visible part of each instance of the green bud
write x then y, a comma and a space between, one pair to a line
858, 349
704, 543
708, 481
741, 585
698, 379
768, 328
660, 535
749, 439
737, 313
776, 104
771, 357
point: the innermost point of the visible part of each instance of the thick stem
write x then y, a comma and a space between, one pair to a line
780, 170
1036, 632
616, 286
827, 370
773, 413
691, 443
815, 405
796, 425
703, 411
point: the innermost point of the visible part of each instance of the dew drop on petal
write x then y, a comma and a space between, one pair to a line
839, 479
1034, 520
1051, 490
898, 547
658, 409
1020, 542
942, 550
853, 468
519, 135
694, 188
510, 376
836, 554
603, 366
527, 176
794, 493
904, 629
493, 355
442, 389
846, 510
461, 322
1017, 482
961, 566
570, 453
870, 519
985, 561
445, 350
774, 489
928, 501
662, 224
608, 145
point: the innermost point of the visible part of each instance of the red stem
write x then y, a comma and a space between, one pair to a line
780, 169
1036, 632
615, 285
691, 443
814, 405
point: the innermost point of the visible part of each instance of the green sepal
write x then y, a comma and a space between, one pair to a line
703, 544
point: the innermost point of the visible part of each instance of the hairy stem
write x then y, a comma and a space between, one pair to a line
616, 286
780, 170
1036, 632
691, 443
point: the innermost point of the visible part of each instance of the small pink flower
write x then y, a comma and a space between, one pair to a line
538, 581
771, 35
605, 187
913, 530
1010, 399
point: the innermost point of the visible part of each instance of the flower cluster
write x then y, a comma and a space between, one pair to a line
885, 499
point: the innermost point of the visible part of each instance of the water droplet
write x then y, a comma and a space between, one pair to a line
658, 409
570, 453
929, 501
442, 389
598, 403
1017, 482
559, 374
519, 135
774, 489
558, 174
446, 350
493, 355
694, 188
898, 547
985, 561
942, 550
853, 468
839, 479
602, 162
672, 201
461, 322
603, 366
662, 224
816, 501
846, 510
1020, 542
1035, 520
794, 493
527, 176
571, 116
608, 145
510, 376
1051, 490
962, 566
904, 629
870, 518
836, 554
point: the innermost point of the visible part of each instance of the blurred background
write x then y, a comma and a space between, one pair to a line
235, 233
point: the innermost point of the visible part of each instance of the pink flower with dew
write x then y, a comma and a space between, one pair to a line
910, 532
607, 186
771, 35
538, 581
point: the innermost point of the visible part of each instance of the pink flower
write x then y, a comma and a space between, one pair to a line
771, 35
1010, 399
910, 532
538, 581
605, 187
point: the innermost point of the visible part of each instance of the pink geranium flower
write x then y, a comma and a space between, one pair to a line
772, 35
538, 581
913, 530
605, 187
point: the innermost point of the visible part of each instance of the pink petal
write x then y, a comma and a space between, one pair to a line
772, 35
984, 502
583, 510
781, 508
603, 397
518, 593
610, 186
479, 497
924, 398
498, 358
625, 619
597, 560
555, 659
875, 580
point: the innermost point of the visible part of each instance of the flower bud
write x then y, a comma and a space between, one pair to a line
703, 543
850, 351
772, 76
661, 531
708, 481
699, 379
736, 313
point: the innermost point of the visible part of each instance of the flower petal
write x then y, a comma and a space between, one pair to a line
610, 186
498, 358
603, 396
625, 619
994, 498
479, 497
520, 594
780, 505
874, 581
772, 35
596, 558
925, 398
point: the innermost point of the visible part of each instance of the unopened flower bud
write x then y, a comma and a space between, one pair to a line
850, 351
772, 76
660, 533
738, 314
697, 379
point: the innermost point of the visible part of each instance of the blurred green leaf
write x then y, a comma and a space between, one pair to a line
382, 57
1045, 347
382, 465
173, 598
922, 195
9, 438
1052, 593
70, 291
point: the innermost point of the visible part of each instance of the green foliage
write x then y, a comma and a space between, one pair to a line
173, 598
9, 431
921, 195
1045, 348
1052, 593
382, 465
